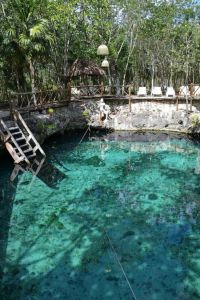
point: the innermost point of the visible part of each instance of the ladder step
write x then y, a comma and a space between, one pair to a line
28, 150
31, 156
23, 146
13, 128
10, 124
20, 139
16, 133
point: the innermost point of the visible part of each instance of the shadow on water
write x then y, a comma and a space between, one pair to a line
41, 169
9, 182
7, 195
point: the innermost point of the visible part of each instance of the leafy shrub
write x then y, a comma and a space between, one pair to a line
86, 115
195, 120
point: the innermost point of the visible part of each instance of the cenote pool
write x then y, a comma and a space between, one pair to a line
115, 217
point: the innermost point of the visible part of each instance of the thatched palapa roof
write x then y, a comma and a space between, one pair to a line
81, 68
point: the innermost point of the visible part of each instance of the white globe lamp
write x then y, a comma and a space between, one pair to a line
102, 50
105, 63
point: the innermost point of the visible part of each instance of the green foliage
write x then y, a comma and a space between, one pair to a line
50, 111
51, 127
86, 115
40, 126
39, 39
195, 120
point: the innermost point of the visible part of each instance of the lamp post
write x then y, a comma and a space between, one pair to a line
103, 51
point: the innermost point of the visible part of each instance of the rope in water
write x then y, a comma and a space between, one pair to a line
123, 271
110, 242
59, 161
88, 129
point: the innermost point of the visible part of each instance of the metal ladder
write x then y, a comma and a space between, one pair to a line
19, 140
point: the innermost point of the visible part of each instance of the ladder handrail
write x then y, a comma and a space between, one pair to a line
9, 137
14, 141
18, 117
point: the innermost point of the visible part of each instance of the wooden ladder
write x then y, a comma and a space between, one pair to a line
19, 140
33, 168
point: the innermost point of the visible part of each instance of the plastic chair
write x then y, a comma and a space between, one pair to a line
142, 91
170, 92
156, 91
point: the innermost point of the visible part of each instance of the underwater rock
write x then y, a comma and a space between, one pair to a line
25, 182
94, 161
128, 234
152, 196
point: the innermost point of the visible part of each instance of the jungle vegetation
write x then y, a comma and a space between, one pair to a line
150, 41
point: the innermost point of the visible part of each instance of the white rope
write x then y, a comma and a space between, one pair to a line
123, 271
84, 136
112, 247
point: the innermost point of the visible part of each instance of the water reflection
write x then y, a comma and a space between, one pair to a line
10, 181
40, 168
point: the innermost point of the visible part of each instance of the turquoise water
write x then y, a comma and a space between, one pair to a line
115, 217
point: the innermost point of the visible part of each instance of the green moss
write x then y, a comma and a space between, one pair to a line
40, 126
86, 114
51, 126
50, 111
195, 120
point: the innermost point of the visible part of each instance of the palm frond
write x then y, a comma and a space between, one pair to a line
24, 41
39, 29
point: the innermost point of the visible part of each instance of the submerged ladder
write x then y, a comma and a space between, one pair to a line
19, 140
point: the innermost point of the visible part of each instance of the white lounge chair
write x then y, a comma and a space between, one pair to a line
142, 91
156, 91
196, 90
184, 91
170, 92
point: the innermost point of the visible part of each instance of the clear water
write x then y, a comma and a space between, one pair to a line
107, 218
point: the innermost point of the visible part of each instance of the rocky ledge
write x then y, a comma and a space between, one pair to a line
144, 115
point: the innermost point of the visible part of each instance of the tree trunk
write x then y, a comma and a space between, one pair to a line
171, 73
32, 77
131, 48
187, 67
152, 77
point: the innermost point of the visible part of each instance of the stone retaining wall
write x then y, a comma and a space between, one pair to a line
144, 115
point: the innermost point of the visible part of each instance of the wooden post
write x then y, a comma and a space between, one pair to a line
190, 103
68, 90
11, 108
13, 101
102, 88
177, 103
129, 97
191, 89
